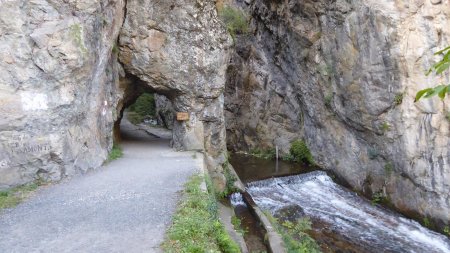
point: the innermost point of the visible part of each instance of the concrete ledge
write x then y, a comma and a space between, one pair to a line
275, 242
225, 214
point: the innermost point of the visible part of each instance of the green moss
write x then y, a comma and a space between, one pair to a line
235, 21
385, 127
15, 196
116, 153
398, 99
388, 168
115, 49
426, 222
76, 32
328, 99
299, 152
196, 227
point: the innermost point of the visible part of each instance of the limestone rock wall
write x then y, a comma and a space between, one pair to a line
179, 49
343, 76
58, 86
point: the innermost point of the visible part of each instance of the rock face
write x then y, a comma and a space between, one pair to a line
63, 90
343, 75
178, 49
58, 87
165, 113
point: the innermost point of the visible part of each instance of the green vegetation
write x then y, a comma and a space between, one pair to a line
438, 68
116, 153
196, 227
15, 196
398, 99
299, 152
328, 100
237, 224
143, 108
264, 153
229, 186
115, 49
426, 222
447, 230
388, 168
379, 198
235, 21
385, 127
294, 235
76, 32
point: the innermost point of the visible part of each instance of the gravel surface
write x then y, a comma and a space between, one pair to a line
125, 206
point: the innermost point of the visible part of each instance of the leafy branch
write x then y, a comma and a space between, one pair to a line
438, 68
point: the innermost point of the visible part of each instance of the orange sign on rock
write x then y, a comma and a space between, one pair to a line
182, 116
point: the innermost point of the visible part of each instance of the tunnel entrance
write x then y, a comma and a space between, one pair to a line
144, 108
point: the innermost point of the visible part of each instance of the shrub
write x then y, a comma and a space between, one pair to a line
300, 152
235, 21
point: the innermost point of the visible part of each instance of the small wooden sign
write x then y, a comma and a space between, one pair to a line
182, 116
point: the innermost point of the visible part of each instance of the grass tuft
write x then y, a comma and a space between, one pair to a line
116, 153
196, 227
13, 197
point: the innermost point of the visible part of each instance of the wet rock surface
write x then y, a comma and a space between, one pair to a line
343, 76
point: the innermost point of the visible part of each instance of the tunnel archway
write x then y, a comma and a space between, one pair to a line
179, 50
135, 89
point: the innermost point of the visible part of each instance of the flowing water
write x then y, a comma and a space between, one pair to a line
343, 221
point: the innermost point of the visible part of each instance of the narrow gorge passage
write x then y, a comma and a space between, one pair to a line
125, 206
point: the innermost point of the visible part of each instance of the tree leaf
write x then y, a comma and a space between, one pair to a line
420, 94
435, 91
442, 51
443, 92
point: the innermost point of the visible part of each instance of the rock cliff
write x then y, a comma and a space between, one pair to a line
66, 75
343, 75
58, 86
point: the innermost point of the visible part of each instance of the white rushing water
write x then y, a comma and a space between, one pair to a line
371, 227
236, 199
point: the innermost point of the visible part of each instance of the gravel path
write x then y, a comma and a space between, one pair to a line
126, 206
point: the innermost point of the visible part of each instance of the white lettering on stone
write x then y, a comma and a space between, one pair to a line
33, 101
